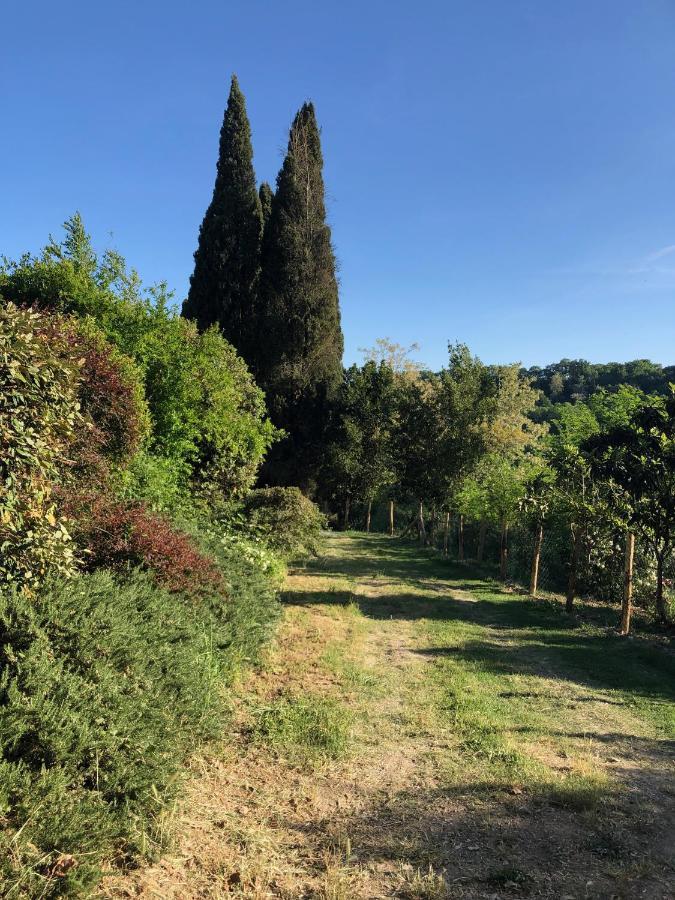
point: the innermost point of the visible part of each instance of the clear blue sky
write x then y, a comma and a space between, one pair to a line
500, 173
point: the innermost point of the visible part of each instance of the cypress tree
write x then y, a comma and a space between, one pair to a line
300, 349
227, 260
266, 195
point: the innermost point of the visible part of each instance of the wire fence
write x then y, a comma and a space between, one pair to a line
600, 569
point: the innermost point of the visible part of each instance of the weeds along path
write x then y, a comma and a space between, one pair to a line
418, 733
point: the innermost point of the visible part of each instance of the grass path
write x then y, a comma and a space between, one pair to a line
418, 733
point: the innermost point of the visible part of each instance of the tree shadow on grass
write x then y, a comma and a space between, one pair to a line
532, 638
547, 841
522, 636
598, 661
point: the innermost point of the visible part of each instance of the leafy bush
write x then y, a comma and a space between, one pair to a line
161, 485
208, 415
119, 536
106, 685
71, 409
288, 522
102, 684
39, 416
112, 401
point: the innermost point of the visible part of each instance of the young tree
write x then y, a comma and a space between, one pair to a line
442, 430
361, 452
227, 260
494, 492
638, 459
298, 354
394, 355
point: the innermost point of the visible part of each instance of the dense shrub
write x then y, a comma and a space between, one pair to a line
105, 686
208, 415
109, 679
39, 416
71, 410
289, 523
111, 398
119, 536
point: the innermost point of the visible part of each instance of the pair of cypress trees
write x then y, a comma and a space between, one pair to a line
265, 273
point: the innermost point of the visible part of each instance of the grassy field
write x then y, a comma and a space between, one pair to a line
418, 732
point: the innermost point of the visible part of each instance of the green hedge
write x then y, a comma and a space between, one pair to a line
105, 686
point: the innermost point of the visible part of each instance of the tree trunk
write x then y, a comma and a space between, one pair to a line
446, 533
503, 551
574, 565
345, 522
536, 556
391, 517
368, 515
481, 541
661, 609
460, 539
420, 523
627, 604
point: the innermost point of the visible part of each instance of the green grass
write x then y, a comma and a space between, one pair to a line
305, 728
524, 692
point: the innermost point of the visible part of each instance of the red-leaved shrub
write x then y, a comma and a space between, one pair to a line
114, 413
117, 535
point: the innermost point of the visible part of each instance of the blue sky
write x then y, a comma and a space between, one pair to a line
500, 173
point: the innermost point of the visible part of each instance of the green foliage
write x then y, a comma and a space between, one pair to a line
105, 687
638, 459
288, 522
299, 350
208, 417
39, 416
266, 195
577, 379
496, 489
361, 452
68, 277
442, 430
224, 282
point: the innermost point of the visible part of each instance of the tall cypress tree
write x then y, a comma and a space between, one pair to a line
300, 350
266, 195
227, 260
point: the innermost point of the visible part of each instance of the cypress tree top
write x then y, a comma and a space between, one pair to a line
299, 286
300, 350
223, 284
266, 195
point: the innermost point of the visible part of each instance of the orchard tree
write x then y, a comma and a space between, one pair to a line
362, 463
638, 458
579, 495
442, 429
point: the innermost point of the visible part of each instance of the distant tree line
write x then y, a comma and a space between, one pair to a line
577, 379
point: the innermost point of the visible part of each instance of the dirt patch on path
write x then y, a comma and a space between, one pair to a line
254, 823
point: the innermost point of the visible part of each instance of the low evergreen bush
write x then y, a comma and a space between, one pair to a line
105, 686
